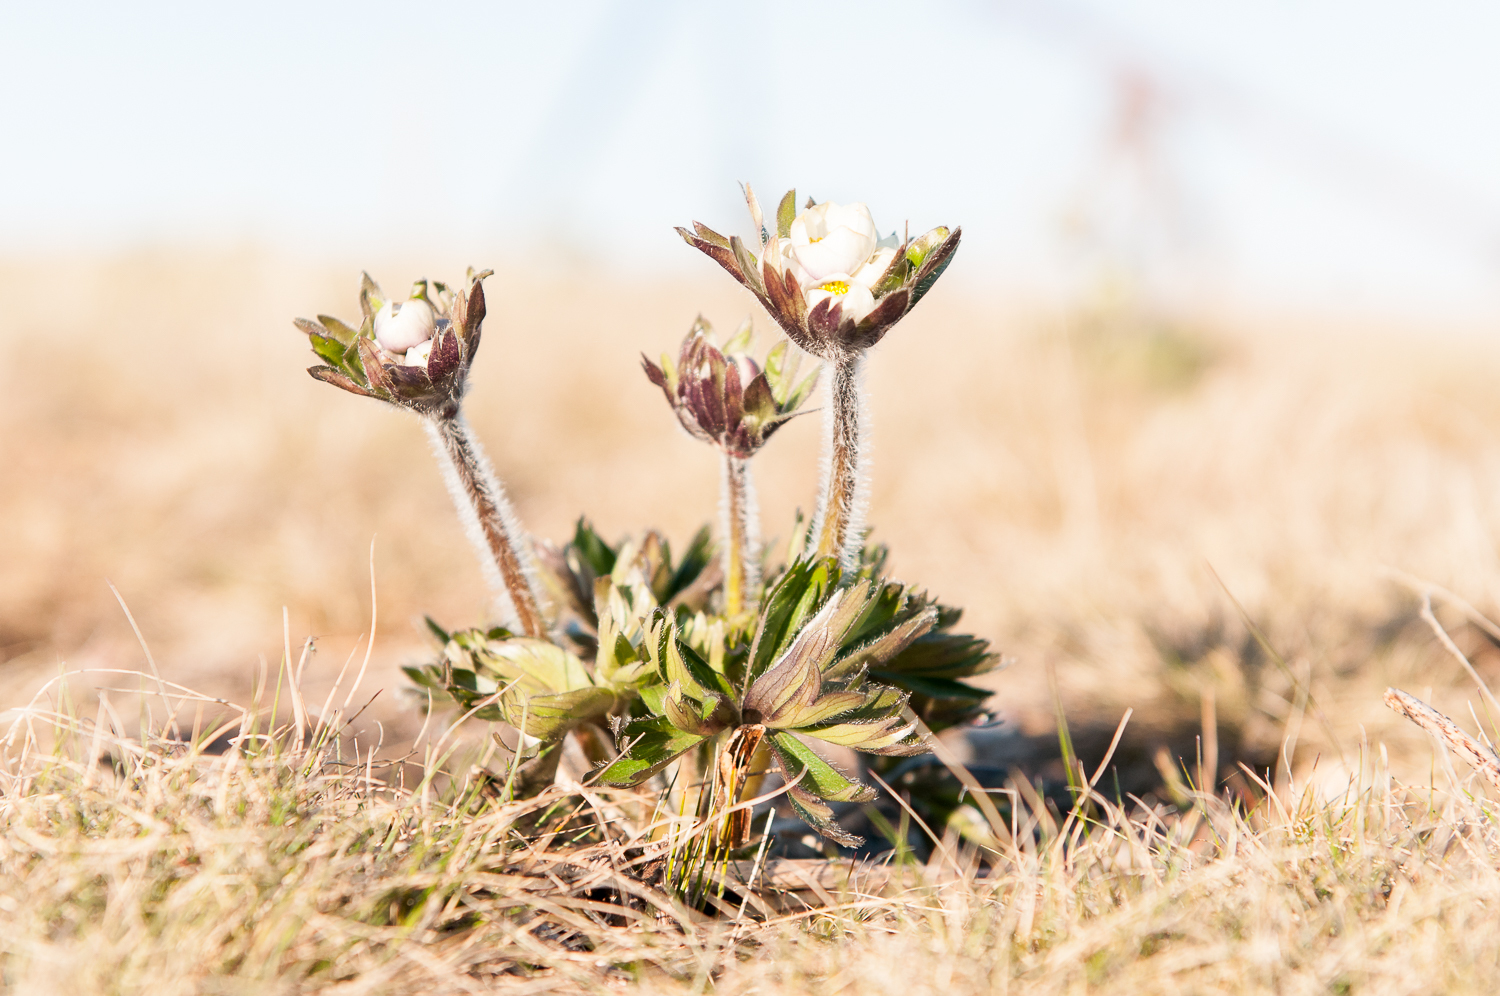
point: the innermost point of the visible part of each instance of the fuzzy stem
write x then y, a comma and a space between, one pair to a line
741, 533
843, 485
489, 519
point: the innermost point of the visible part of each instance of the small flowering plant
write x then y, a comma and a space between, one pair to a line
712, 670
832, 284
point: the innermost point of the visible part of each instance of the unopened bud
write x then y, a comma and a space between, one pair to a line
919, 247
401, 325
417, 355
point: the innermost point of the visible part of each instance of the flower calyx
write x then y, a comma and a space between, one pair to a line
832, 284
414, 354
723, 397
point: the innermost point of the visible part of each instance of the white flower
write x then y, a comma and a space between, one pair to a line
417, 355
874, 268
830, 239
855, 297
777, 254
401, 325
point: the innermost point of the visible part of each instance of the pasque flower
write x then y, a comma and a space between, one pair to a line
723, 397
416, 354
825, 275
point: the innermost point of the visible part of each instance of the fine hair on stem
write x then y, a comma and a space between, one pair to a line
489, 519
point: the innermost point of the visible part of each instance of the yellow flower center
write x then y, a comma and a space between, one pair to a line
820, 238
836, 287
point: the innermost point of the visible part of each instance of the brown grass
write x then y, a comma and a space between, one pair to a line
1072, 492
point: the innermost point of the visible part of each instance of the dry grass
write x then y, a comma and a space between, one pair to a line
142, 865
1071, 494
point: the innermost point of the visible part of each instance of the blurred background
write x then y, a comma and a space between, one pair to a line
1226, 305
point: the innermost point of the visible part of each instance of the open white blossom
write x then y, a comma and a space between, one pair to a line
830, 239
401, 325
854, 297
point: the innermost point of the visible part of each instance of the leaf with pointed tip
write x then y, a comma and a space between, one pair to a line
702, 717
884, 736
709, 235
759, 403
542, 666
722, 255
597, 554
474, 311
786, 211
829, 706
822, 778
442, 634
647, 746
785, 689
886, 646
444, 359
328, 375
888, 311
327, 348
933, 266
740, 341
339, 330
371, 297
551, 716
372, 359
818, 815
748, 265
753, 203
791, 600
824, 319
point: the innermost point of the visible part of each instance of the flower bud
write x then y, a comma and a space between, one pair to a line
417, 355
401, 325
919, 247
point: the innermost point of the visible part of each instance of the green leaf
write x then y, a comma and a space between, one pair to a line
934, 688
540, 665
327, 348
694, 560
443, 635
647, 746
786, 212
828, 706
340, 331
822, 779
817, 814
886, 646
748, 266
551, 716
790, 601
740, 341
597, 554
371, 297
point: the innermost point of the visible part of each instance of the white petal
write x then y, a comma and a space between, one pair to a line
400, 326
856, 299
874, 268
778, 255
855, 217
842, 250
810, 225
417, 355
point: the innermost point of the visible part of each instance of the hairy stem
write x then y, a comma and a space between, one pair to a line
842, 501
741, 535
488, 518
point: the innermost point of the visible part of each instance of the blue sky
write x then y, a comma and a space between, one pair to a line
1334, 154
